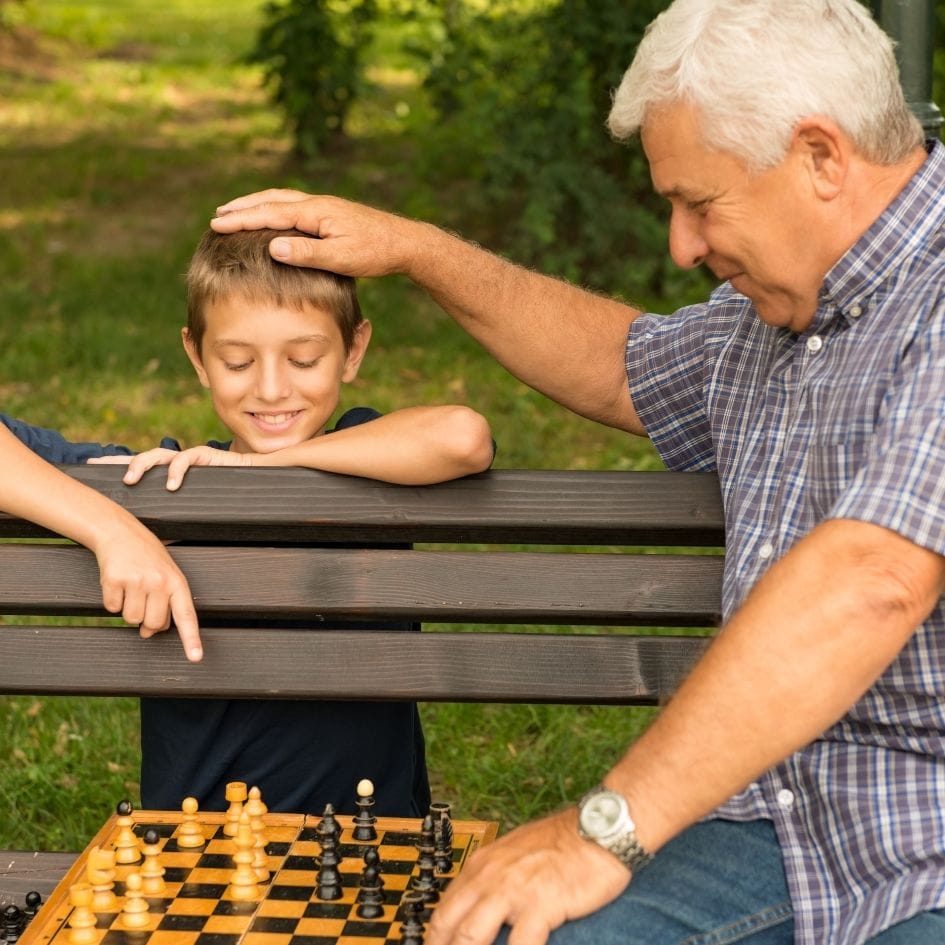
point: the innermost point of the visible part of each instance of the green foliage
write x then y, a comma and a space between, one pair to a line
522, 93
311, 53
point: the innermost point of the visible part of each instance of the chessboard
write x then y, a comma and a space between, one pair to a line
198, 903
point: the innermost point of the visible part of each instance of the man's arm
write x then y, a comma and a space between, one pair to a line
561, 340
139, 578
416, 446
812, 637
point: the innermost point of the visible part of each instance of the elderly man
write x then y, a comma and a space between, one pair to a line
794, 788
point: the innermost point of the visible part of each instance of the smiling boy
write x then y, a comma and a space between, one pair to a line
273, 345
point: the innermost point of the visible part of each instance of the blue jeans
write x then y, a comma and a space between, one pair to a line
718, 883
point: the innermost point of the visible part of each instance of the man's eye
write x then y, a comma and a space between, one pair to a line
295, 362
240, 366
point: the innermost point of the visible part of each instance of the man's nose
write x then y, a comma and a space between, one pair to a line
686, 244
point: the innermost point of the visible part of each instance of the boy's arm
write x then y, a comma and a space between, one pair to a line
139, 578
415, 446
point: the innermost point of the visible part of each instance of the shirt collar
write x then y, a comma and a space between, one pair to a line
915, 214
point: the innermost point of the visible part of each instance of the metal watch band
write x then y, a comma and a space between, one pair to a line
627, 849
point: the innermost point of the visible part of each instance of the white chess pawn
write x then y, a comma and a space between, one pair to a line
189, 834
127, 848
152, 872
134, 913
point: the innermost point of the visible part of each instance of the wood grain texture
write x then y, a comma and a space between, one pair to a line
505, 505
372, 665
321, 585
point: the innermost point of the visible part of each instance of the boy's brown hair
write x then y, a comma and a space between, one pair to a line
239, 264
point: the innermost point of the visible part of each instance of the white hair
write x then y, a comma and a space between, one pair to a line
753, 68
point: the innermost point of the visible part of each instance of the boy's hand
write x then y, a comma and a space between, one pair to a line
177, 462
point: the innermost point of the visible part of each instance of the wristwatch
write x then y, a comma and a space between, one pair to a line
604, 817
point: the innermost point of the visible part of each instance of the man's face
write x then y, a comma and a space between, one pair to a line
759, 231
274, 374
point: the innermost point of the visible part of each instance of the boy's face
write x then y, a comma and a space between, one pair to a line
274, 374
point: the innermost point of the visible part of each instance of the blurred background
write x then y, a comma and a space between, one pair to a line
124, 123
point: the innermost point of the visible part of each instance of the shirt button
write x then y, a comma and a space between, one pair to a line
814, 344
766, 551
855, 311
785, 799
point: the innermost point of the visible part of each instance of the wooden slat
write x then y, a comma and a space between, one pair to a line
297, 664
518, 506
440, 586
22, 871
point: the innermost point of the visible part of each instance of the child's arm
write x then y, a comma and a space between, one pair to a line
414, 446
139, 578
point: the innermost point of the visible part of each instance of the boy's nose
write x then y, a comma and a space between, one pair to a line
272, 384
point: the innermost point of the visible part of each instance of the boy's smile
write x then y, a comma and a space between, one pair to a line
274, 373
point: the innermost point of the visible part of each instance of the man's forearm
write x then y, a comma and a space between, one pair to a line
811, 638
561, 340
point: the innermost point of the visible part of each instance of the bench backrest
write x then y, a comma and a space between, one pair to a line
558, 620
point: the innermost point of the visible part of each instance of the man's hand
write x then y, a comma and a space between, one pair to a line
352, 239
141, 582
177, 462
533, 879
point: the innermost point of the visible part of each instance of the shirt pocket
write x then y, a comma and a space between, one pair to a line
832, 464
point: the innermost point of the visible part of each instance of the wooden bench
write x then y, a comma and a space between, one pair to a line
532, 586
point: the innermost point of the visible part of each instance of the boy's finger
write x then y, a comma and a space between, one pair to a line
109, 460
176, 470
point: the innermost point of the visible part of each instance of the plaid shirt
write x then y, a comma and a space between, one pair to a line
846, 420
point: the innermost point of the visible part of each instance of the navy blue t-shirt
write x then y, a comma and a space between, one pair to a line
302, 754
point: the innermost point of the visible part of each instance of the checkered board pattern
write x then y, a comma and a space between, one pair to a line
196, 907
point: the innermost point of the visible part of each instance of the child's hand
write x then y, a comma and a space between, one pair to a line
179, 462
108, 460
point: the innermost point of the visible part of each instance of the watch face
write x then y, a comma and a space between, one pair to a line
600, 813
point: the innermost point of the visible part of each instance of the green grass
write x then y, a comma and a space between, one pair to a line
119, 133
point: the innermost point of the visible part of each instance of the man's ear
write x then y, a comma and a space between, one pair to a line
194, 355
359, 346
824, 152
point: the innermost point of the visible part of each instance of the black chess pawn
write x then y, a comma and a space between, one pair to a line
328, 880
370, 897
12, 923
411, 929
442, 836
425, 882
33, 901
364, 820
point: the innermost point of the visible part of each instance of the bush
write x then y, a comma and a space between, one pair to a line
311, 52
520, 146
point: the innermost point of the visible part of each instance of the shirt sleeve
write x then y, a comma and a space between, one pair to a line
665, 363
55, 448
901, 483
356, 416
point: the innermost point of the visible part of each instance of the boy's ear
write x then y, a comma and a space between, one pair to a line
362, 337
194, 355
